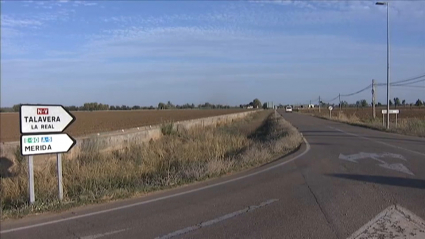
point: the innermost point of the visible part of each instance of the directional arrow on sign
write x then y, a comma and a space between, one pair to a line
46, 144
395, 166
44, 119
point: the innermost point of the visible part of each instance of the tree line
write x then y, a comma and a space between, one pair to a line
364, 103
94, 106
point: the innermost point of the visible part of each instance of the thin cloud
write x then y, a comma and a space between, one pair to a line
8, 21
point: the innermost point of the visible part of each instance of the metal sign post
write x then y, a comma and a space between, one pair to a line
31, 178
396, 112
60, 187
41, 127
330, 111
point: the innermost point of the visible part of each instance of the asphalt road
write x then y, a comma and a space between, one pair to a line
340, 179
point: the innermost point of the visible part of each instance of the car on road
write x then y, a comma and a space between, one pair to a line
288, 109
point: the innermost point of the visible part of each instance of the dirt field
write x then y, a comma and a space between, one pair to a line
103, 121
366, 113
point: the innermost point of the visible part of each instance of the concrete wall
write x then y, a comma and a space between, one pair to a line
108, 141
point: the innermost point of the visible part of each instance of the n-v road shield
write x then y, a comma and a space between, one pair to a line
44, 119
46, 144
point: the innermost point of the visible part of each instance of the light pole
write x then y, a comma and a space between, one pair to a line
388, 61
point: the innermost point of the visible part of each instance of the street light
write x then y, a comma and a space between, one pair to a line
388, 61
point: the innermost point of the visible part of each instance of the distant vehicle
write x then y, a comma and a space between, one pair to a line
288, 109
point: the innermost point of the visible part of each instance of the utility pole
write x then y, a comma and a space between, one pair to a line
388, 60
373, 98
340, 106
319, 104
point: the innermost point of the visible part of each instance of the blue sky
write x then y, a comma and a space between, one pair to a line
227, 52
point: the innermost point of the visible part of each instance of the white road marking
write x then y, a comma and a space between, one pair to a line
160, 198
394, 222
103, 234
216, 220
395, 166
379, 142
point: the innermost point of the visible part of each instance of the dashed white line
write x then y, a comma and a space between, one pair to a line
216, 220
103, 234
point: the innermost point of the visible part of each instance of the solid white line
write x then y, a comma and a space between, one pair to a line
103, 234
160, 198
376, 141
216, 220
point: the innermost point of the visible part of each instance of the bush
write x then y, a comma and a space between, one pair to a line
167, 128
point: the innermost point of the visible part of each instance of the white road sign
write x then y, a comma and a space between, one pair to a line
46, 144
384, 112
330, 108
44, 119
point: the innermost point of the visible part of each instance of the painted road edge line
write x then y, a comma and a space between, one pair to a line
307, 149
216, 220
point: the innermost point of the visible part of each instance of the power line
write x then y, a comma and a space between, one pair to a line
358, 92
400, 83
403, 81
409, 83
329, 101
414, 78
412, 86
403, 84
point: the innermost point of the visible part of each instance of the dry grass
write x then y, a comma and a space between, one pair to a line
177, 158
410, 122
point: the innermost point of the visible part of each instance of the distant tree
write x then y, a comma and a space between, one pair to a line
72, 108
419, 103
391, 103
265, 106
344, 103
379, 104
397, 101
256, 103
403, 102
170, 105
364, 103
358, 103
161, 106
16, 108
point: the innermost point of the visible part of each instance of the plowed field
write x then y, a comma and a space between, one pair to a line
103, 121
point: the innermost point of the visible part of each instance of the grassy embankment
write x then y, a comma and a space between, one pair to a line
175, 159
413, 124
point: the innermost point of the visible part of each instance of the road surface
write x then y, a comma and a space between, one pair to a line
338, 181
